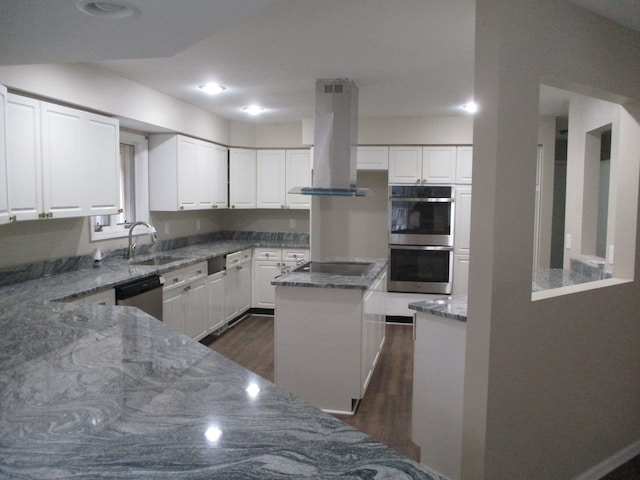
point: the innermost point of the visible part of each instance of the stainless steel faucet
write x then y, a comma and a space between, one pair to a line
132, 246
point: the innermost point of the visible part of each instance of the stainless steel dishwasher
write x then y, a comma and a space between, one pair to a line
144, 293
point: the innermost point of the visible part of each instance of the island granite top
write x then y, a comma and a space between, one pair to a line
94, 391
454, 307
324, 280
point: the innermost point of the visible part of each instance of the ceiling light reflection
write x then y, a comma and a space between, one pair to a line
212, 88
470, 107
253, 390
213, 434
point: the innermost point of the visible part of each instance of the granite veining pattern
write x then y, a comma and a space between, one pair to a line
93, 391
324, 280
454, 307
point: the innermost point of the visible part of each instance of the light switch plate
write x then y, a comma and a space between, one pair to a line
567, 241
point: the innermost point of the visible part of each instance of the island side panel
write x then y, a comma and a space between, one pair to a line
438, 388
318, 344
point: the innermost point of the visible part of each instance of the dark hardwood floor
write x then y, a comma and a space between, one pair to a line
385, 412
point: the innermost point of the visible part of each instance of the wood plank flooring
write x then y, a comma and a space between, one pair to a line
385, 412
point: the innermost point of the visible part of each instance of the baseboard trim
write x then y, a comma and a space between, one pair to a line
610, 464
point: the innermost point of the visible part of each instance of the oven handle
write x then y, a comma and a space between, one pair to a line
422, 199
421, 247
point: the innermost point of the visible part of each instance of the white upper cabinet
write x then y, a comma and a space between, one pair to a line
405, 164
373, 158
298, 174
430, 165
102, 139
464, 164
64, 171
4, 202
271, 171
61, 162
220, 177
183, 173
24, 157
438, 164
242, 178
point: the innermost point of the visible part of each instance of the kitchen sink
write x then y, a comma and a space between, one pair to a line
350, 269
160, 260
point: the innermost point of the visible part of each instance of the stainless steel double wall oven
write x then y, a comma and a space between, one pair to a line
421, 238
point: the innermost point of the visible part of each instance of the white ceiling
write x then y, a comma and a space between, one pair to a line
408, 57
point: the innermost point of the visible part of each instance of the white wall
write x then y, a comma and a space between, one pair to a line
551, 385
95, 88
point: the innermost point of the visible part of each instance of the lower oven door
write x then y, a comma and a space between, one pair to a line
417, 269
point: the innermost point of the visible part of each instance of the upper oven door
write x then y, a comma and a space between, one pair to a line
421, 215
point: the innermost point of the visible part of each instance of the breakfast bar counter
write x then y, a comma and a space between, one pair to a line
95, 391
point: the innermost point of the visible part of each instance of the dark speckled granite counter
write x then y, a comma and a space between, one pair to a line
91, 391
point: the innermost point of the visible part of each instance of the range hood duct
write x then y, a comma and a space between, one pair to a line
335, 141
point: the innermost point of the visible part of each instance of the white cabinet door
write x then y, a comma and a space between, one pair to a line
220, 177
270, 179
187, 173
197, 309
215, 290
4, 198
244, 290
298, 174
464, 164
173, 308
64, 170
405, 164
231, 285
373, 158
242, 178
204, 172
24, 157
101, 142
462, 221
460, 274
264, 294
439, 164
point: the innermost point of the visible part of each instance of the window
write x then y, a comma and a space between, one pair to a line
134, 190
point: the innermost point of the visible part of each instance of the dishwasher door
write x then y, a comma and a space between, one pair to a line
145, 294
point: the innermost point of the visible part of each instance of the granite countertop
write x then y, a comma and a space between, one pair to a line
454, 307
94, 391
324, 280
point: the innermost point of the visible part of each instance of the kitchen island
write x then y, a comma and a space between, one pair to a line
329, 329
93, 391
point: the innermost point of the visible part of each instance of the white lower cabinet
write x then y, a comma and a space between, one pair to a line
268, 264
185, 300
460, 274
237, 292
215, 291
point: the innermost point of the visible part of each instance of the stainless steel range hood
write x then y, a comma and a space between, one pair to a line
335, 140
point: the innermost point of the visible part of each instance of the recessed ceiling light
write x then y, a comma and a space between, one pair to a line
253, 109
212, 88
106, 9
470, 107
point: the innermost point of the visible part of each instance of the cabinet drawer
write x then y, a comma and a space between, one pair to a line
236, 258
181, 276
268, 254
291, 255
